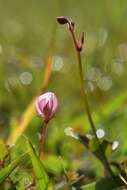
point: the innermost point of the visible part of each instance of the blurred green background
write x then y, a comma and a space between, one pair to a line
28, 32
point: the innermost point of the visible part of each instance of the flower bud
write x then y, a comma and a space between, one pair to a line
62, 20
79, 46
46, 106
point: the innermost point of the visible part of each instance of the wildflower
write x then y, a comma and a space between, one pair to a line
47, 106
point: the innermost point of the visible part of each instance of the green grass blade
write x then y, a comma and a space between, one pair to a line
5, 172
39, 170
91, 186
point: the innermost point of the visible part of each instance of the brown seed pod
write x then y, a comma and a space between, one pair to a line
62, 20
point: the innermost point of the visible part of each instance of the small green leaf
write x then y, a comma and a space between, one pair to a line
54, 165
107, 184
22, 178
91, 186
5, 172
102, 184
39, 170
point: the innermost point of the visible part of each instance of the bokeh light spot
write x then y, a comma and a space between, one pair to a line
93, 74
104, 83
57, 63
118, 68
26, 78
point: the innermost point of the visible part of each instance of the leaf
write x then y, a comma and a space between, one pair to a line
5, 172
39, 170
93, 146
54, 165
21, 178
90, 186
102, 184
3, 150
50, 186
107, 184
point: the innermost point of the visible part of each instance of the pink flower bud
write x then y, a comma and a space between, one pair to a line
46, 105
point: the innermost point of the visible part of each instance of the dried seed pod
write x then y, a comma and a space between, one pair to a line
62, 20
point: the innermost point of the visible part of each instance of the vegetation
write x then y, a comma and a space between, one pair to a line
78, 141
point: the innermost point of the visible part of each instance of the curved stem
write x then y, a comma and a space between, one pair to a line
42, 139
105, 161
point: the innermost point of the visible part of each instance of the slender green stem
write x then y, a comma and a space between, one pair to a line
105, 161
42, 139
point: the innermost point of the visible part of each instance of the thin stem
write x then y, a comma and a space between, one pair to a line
42, 139
106, 164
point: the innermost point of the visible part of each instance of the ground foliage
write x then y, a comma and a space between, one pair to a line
32, 42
